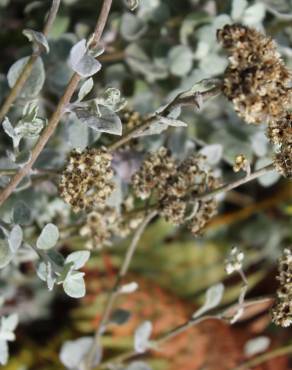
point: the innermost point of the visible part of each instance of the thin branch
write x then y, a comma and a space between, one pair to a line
180, 100
115, 290
224, 315
55, 119
236, 183
264, 358
26, 72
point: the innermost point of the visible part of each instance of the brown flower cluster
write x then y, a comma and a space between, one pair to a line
175, 186
86, 181
130, 118
280, 134
103, 225
282, 311
257, 82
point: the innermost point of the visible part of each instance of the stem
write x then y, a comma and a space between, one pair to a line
178, 101
265, 357
26, 72
55, 119
89, 359
236, 183
178, 330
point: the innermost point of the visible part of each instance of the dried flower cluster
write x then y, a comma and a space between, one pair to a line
280, 134
86, 181
175, 185
282, 311
103, 224
256, 79
257, 82
130, 118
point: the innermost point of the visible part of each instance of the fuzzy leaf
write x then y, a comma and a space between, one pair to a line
180, 60
141, 337
120, 316
256, 345
5, 253
3, 352
48, 237
78, 259
73, 352
104, 121
38, 38
8, 325
85, 88
132, 27
15, 238
74, 285
82, 62
21, 213
213, 298
237, 9
35, 81
213, 153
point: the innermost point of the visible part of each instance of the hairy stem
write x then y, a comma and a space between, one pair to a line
179, 100
26, 72
55, 119
88, 362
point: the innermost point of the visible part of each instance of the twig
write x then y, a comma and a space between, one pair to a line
54, 120
176, 331
26, 72
236, 183
180, 100
241, 298
264, 357
89, 359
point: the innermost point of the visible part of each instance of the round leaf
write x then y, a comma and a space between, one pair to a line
48, 237
35, 81
74, 285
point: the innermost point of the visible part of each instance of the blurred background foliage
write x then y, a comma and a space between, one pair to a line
162, 48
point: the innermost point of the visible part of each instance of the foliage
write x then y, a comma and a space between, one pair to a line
146, 125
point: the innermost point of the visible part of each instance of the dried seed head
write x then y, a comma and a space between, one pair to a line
282, 311
256, 80
96, 229
283, 161
130, 118
86, 181
241, 163
175, 185
155, 170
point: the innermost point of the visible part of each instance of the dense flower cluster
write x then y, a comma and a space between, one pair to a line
280, 134
105, 223
155, 171
282, 311
257, 82
86, 181
175, 185
130, 118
